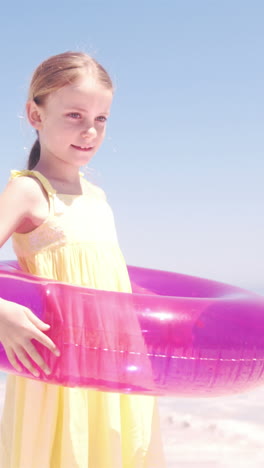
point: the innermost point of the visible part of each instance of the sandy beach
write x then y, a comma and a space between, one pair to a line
224, 432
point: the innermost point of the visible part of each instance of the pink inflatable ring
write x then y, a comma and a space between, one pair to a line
175, 335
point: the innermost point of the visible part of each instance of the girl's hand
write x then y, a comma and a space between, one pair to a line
18, 326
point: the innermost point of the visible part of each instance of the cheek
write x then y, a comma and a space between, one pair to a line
55, 135
101, 132
61, 131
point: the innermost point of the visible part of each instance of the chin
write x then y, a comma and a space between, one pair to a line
83, 161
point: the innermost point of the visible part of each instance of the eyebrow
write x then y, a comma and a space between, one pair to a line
76, 108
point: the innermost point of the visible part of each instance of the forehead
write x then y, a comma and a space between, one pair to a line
84, 92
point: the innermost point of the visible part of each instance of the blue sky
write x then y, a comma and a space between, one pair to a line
182, 163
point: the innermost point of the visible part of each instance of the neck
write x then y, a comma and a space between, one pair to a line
59, 170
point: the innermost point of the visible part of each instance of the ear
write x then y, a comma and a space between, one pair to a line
34, 115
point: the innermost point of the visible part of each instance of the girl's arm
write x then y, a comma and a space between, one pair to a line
21, 200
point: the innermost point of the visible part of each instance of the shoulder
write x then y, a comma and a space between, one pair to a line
24, 188
21, 200
24, 185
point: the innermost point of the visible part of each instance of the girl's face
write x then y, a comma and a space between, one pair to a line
72, 122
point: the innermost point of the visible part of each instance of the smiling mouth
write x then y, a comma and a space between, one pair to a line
82, 148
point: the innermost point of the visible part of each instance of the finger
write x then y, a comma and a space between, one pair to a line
37, 358
23, 358
36, 321
46, 341
12, 359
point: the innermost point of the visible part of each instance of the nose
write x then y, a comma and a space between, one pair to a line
89, 131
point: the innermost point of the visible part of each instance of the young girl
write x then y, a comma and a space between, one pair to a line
62, 228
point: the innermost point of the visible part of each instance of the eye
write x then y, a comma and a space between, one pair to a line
74, 115
101, 118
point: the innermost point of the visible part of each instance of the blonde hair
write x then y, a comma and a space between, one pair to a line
56, 72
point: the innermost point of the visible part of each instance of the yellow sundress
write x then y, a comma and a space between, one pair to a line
50, 426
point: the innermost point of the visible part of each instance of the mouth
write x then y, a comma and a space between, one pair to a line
82, 148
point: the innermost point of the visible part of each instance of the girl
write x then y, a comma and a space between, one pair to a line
62, 228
